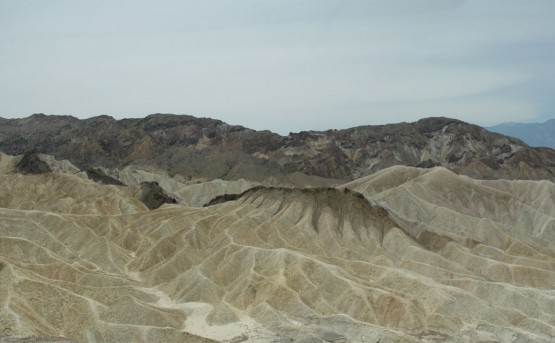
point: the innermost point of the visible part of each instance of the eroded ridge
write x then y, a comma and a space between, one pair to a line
404, 255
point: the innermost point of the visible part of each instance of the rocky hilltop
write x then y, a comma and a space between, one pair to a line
208, 148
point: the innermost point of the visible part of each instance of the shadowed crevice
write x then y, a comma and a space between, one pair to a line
99, 176
31, 163
153, 196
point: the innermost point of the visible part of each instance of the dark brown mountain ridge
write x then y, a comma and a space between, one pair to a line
209, 148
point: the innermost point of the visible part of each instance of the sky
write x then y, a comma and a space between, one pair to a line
284, 66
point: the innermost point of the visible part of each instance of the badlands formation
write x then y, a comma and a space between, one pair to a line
182, 229
401, 255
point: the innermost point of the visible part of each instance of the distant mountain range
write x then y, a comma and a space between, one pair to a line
533, 134
208, 148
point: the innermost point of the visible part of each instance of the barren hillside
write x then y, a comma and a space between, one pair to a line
210, 149
402, 255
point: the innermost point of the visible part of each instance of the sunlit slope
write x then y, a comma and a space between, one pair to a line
64, 274
507, 215
62, 193
417, 254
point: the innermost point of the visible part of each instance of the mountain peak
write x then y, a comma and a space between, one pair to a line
534, 134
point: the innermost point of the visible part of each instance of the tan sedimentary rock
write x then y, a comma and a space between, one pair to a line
403, 255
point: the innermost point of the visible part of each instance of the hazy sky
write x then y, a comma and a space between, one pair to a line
280, 65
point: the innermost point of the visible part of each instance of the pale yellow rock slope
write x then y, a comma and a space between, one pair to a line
404, 255
188, 193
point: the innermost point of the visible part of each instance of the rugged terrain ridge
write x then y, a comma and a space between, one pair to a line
403, 255
175, 228
210, 149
